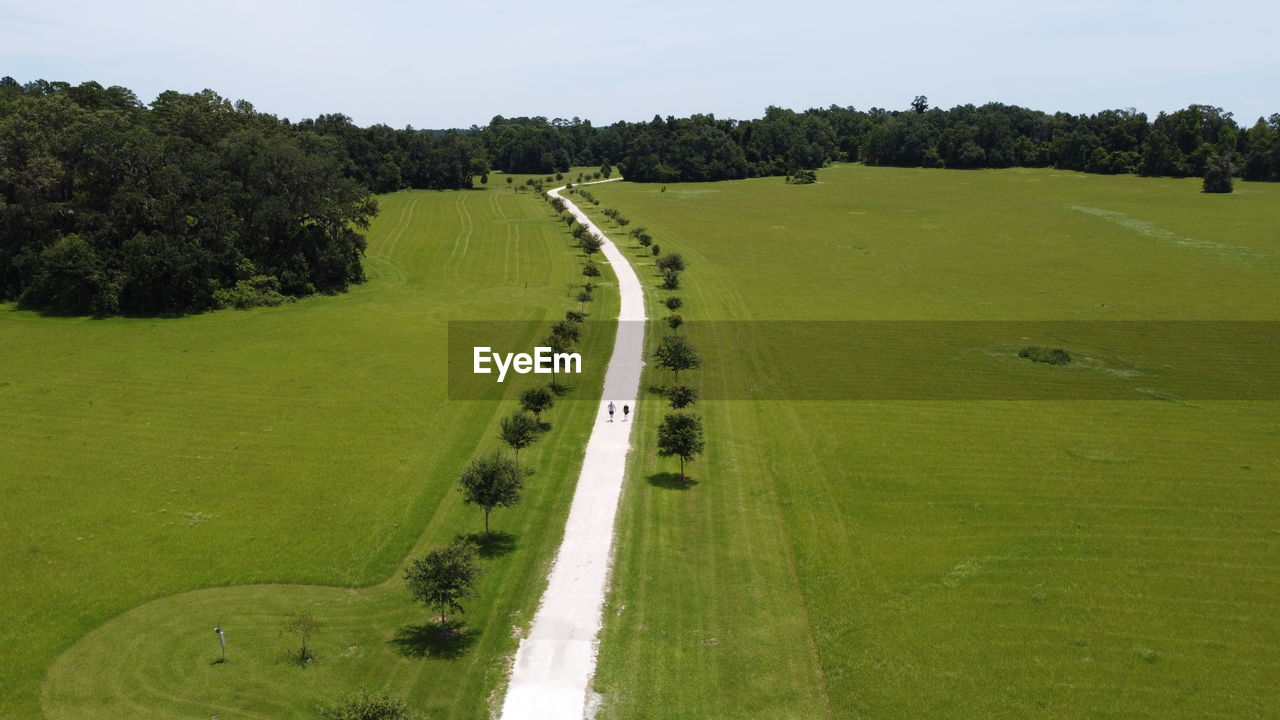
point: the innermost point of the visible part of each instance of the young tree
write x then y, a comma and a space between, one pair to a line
605, 169
681, 396
444, 577
591, 243
537, 399
518, 430
673, 303
570, 331
1217, 174
637, 231
513, 187
671, 262
491, 481
584, 297
363, 706
590, 270
574, 316
301, 625
670, 280
676, 353
656, 249
680, 435
560, 345
645, 239
674, 321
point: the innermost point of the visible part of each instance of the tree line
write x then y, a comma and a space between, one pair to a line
783, 142
680, 433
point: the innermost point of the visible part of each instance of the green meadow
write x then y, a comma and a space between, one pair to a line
163, 476
983, 558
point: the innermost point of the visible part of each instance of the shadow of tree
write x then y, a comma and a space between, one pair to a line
656, 389
293, 657
671, 481
496, 545
435, 641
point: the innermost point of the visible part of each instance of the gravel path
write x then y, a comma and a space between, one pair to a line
556, 661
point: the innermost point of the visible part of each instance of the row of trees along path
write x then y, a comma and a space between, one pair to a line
556, 660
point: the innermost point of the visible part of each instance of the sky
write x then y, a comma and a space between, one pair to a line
434, 64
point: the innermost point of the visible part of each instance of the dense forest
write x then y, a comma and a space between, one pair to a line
111, 206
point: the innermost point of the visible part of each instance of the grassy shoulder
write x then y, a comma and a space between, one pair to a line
262, 453
949, 558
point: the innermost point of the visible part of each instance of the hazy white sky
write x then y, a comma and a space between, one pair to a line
435, 64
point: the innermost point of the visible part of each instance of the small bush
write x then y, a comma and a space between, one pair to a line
1217, 174
366, 706
681, 396
1049, 356
804, 177
672, 261
257, 291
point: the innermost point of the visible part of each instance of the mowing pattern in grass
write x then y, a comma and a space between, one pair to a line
952, 559
310, 443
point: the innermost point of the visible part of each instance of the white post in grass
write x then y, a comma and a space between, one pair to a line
222, 641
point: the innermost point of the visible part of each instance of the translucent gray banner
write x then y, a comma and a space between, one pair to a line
1174, 361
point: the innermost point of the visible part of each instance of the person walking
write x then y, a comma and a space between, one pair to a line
610, 411
626, 410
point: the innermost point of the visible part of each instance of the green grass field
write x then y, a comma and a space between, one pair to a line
977, 559
161, 476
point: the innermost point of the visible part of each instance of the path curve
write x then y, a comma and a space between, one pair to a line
557, 659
